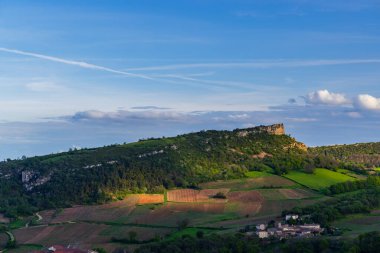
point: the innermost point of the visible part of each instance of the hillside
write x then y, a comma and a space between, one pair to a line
149, 166
367, 154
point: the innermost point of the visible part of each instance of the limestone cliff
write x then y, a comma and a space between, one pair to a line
276, 129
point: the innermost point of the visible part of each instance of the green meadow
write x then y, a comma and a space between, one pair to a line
321, 178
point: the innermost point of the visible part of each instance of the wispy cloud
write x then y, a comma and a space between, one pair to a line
149, 107
43, 86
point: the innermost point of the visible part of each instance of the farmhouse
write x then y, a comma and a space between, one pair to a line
288, 231
261, 227
291, 217
262, 234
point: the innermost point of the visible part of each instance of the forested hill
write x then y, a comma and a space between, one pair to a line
367, 154
99, 174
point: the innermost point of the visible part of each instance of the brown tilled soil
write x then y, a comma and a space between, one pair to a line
245, 197
83, 235
3, 240
106, 212
170, 213
3, 219
189, 195
150, 199
296, 193
247, 202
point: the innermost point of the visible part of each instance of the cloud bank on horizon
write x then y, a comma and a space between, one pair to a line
96, 73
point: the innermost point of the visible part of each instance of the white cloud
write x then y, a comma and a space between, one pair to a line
302, 119
243, 116
368, 102
124, 115
354, 114
324, 97
43, 86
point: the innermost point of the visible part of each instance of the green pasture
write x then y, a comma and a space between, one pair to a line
321, 178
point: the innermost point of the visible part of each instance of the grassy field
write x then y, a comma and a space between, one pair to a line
25, 248
351, 174
358, 224
284, 194
321, 178
257, 174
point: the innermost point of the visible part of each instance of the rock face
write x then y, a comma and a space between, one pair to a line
276, 129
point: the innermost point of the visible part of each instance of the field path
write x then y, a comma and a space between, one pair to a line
39, 217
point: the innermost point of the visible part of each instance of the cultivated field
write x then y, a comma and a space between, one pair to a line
247, 201
84, 235
171, 213
3, 240
149, 198
284, 194
266, 181
320, 179
190, 195
107, 212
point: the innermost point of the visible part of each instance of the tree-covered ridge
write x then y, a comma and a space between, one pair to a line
367, 154
97, 175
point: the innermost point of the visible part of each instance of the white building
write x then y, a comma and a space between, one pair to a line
262, 234
261, 227
291, 216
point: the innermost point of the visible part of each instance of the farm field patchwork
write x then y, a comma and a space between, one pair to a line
151, 215
321, 178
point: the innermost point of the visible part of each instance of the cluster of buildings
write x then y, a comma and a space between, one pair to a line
287, 231
63, 249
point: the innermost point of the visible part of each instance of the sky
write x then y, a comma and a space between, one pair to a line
77, 74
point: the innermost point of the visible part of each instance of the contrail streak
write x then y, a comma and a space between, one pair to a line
75, 63
262, 64
86, 65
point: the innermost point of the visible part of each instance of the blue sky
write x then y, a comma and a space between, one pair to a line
92, 73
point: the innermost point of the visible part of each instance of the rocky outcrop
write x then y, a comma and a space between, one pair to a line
276, 129
298, 145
